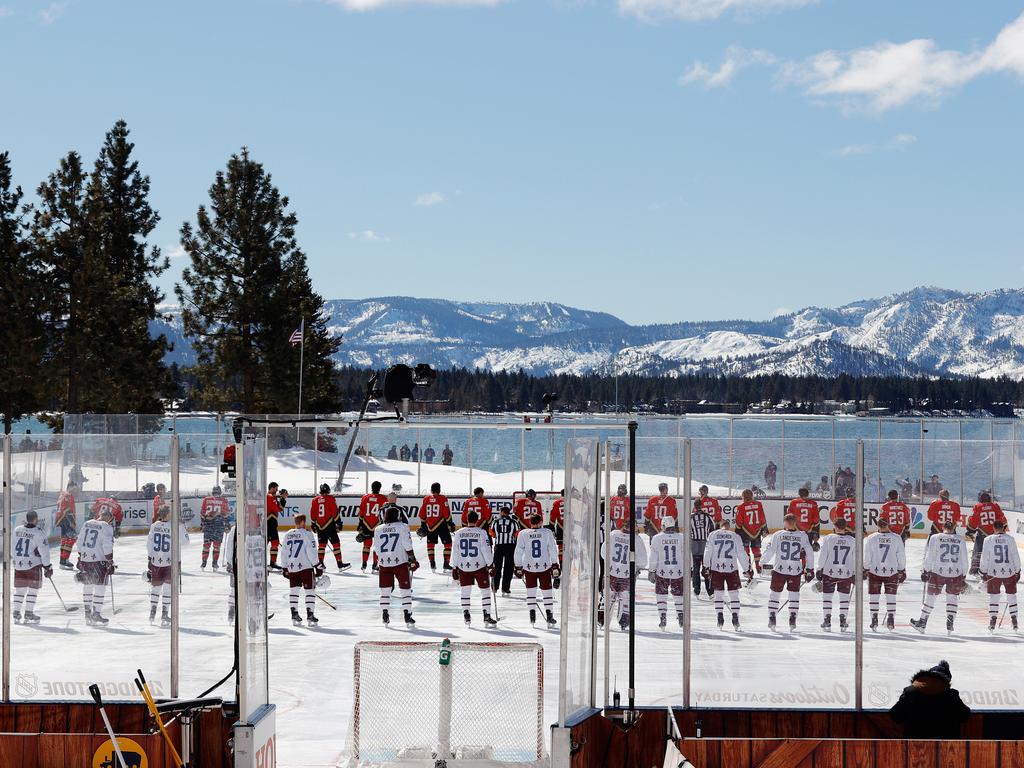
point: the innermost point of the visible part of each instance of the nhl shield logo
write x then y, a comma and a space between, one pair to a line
879, 695
26, 685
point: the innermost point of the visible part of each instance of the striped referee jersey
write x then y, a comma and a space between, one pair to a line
504, 529
701, 526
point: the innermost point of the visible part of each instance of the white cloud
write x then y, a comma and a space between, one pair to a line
5, 11
736, 59
369, 236
52, 12
780, 311
175, 252
373, 5
898, 142
889, 75
703, 10
430, 199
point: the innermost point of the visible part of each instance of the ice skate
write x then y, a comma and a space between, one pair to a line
66, 566
17, 617
919, 624
216, 567
311, 619
679, 618
721, 620
88, 615
296, 619
624, 622
385, 618
736, 622
31, 618
551, 620
949, 625
771, 622
409, 621
231, 614
344, 567
844, 624
827, 623
662, 623
792, 622
98, 619
533, 617
447, 568
165, 618
466, 618
152, 614
506, 594
874, 622
363, 568
890, 622
992, 625
1013, 619
489, 621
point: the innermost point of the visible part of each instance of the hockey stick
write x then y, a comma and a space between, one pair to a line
94, 690
143, 687
324, 601
114, 610
66, 607
1006, 607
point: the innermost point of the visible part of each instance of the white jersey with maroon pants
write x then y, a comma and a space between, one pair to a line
618, 571
836, 567
95, 545
536, 562
1000, 568
945, 567
792, 558
31, 561
725, 559
392, 544
666, 570
158, 548
472, 561
302, 567
885, 567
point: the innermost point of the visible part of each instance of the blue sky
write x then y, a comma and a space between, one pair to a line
658, 159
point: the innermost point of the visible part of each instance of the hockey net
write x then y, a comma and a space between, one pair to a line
485, 707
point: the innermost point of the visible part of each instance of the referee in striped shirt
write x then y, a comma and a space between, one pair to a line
701, 526
504, 529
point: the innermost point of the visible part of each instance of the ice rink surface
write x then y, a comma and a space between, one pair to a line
311, 669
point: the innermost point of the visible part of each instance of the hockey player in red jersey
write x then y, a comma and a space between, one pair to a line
941, 510
109, 504
557, 523
477, 503
658, 508
67, 522
808, 518
274, 510
213, 516
709, 504
526, 507
980, 524
370, 508
436, 524
846, 508
323, 511
752, 526
897, 514
159, 500
619, 507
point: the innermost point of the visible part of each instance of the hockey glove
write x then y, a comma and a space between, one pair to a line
925, 575
960, 585
652, 577
1015, 578
422, 530
361, 537
491, 570
705, 572
147, 576
451, 526
971, 533
808, 575
556, 572
819, 575
556, 582
414, 565
285, 573
901, 576
229, 568
455, 574
649, 528
816, 547
111, 567
518, 573
80, 577
318, 571
315, 528
48, 571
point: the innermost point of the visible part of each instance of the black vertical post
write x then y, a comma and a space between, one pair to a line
632, 565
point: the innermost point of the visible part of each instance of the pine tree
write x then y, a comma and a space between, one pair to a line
244, 293
21, 329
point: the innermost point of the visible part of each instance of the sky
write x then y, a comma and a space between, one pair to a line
661, 160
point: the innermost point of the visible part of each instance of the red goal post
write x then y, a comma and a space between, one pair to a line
485, 705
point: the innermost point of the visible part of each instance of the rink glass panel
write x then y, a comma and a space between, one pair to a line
579, 578
251, 562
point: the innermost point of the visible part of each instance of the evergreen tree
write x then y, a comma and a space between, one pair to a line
21, 329
244, 293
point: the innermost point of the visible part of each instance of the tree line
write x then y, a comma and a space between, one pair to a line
78, 294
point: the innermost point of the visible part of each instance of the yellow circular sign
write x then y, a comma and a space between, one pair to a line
134, 755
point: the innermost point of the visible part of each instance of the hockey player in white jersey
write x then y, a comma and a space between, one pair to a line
618, 568
792, 558
836, 569
885, 567
392, 543
158, 573
302, 567
724, 560
95, 545
536, 563
666, 569
945, 567
1000, 569
31, 562
473, 563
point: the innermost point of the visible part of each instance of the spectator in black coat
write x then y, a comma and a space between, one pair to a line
929, 708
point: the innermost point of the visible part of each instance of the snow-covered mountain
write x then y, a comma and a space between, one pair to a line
923, 331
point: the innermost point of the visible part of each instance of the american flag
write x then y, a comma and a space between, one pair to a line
296, 337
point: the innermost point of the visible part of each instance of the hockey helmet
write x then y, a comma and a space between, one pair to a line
325, 488
668, 522
215, 491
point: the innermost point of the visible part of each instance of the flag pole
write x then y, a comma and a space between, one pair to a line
302, 350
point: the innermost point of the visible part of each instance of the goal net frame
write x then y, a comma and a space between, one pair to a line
444, 749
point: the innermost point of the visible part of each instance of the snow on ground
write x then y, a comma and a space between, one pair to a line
311, 669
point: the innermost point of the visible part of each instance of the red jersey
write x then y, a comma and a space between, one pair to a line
846, 509
108, 505
525, 508
157, 503
273, 506
619, 510
984, 516
711, 506
369, 509
750, 517
323, 510
435, 511
806, 511
482, 508
897, 514
939, 512
660, 507
556, 512
65, 507
213, 506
